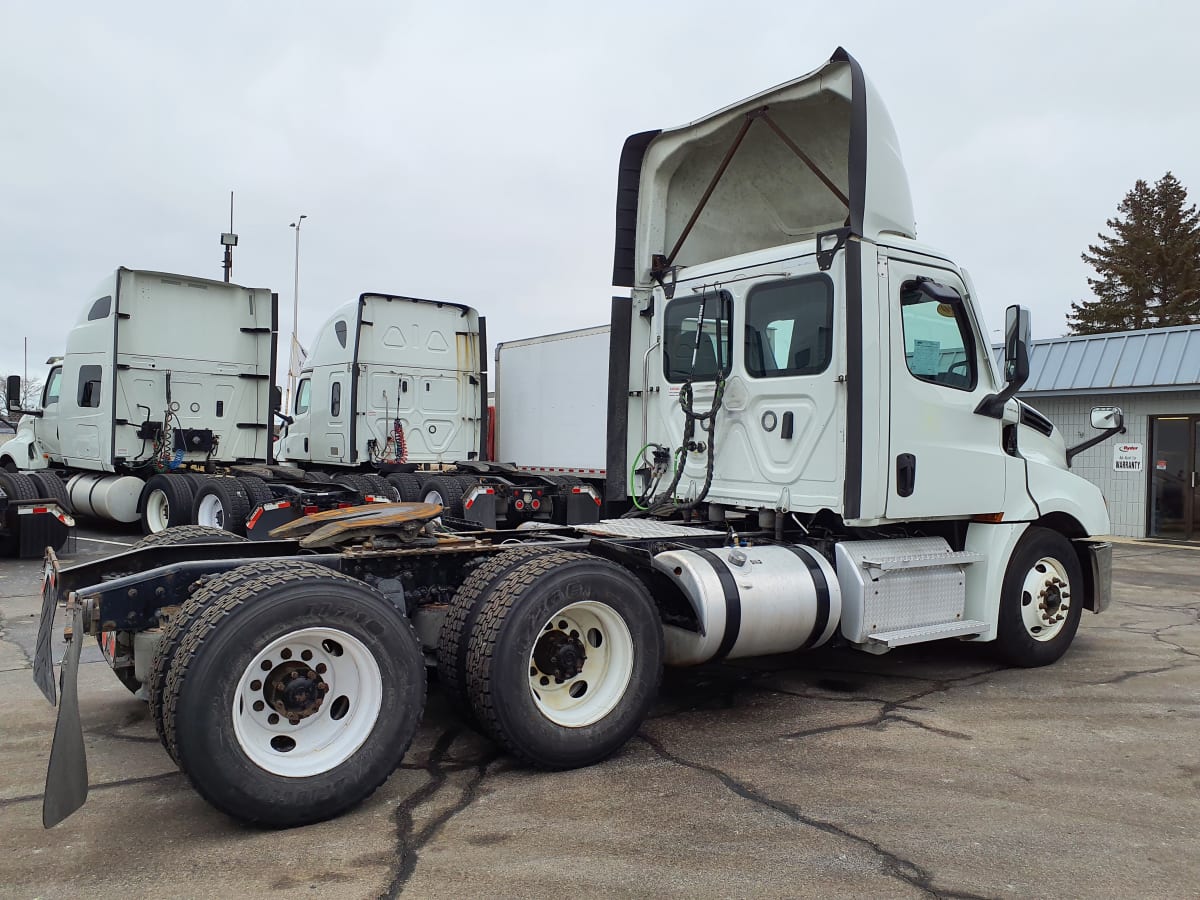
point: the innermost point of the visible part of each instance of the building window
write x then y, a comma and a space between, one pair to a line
789, 328
89, 386
937, 340
697, 343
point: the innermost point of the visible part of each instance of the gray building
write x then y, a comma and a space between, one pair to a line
1149, 475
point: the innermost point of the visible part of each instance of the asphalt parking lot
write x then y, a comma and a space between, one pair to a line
929, 771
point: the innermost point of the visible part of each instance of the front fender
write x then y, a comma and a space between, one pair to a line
1055, 490
23, 451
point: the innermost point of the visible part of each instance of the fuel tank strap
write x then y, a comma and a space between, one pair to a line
733, 601
822, 590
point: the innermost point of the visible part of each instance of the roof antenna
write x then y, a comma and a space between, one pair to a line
229, 241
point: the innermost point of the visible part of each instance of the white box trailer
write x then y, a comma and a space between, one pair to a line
552, 402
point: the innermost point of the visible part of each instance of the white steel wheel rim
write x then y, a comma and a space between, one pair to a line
603, 676
210, 512
158, 511
1045, 599
324, 737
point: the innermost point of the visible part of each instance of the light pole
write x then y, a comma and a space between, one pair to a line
294, 356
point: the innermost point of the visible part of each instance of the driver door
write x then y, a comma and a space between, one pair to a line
944, 460
46, 427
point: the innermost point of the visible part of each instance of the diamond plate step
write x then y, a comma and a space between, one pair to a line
925, 561
927, 633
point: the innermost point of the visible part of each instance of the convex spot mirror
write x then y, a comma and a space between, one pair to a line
1105, 417
12, 392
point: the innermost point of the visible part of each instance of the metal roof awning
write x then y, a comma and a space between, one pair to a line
1156, 359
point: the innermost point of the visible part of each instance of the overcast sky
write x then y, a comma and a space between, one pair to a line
468, 151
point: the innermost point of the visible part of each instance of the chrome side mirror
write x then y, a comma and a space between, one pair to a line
1104, 417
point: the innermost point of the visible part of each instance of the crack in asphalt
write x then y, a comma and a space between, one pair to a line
408, 841
894, 865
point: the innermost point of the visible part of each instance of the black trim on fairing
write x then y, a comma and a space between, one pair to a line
270, 454
353, 417
733, 602
821, 584
852, 496
117, 317
629, 176
616, 487
1034, 419
483, 389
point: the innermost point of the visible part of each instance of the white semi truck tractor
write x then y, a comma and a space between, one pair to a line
392, 400
803, 406
160, 410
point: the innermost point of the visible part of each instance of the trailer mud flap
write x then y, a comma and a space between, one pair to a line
67, 775
43, 654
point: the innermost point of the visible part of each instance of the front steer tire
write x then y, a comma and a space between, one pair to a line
252, 615
1041, 600
586, 619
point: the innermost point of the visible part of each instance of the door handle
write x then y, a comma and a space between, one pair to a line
906, 474
785, 430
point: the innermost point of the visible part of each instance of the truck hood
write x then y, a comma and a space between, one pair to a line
811, 155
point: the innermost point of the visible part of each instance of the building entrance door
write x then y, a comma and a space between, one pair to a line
1174, 478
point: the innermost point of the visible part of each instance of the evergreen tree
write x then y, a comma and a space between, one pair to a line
1148, 270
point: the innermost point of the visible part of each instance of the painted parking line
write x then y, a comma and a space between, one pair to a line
100, 541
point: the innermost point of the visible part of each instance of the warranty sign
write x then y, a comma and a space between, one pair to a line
1127, 458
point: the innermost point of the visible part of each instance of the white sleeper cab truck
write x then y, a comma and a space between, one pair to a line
801, 404
161, 408
393, 400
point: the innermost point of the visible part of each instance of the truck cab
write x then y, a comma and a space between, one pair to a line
390, 379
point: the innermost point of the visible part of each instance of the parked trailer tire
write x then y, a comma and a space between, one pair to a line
330, 660
166, 503
408, 485
222, 502
446, 491
463, 614
565, 660
1041, 600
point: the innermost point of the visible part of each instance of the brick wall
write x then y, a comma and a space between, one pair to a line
1125, 492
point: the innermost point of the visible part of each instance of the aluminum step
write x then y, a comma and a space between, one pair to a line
927, 633
924, 561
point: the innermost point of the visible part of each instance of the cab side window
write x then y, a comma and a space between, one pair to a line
89, 387
938, 346
303, 397
53, 387
335, 399
697, 339
789, 327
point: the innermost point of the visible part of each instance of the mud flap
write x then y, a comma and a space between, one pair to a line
67, 776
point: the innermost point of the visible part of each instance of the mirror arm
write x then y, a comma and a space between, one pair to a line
1072, 452
992, 405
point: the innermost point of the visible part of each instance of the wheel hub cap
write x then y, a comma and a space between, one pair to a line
559, 655
294, 691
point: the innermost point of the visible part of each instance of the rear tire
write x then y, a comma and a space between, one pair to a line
454, 638
53, 487
263, 633
256, 490
1041, 601
221, 502
187, 534
565, 660
446, 491
166, 502
408, 485
19, 486
380, 486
